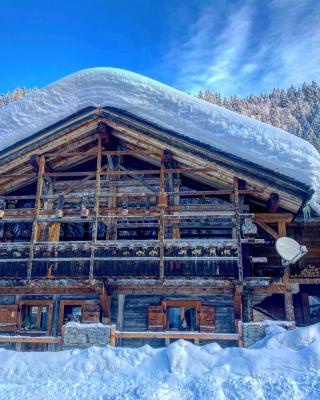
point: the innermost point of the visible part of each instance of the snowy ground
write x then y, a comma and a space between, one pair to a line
284, 365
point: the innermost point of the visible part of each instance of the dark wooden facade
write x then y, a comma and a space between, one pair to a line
108, 218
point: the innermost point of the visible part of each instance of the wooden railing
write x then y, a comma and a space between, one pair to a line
30, 339
136, 258
167, 335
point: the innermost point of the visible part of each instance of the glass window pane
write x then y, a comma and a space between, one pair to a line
44, 318
314, 308
190, 321
174, 318
29, 317
72, 313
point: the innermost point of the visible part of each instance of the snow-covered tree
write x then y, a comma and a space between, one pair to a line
16, 94
296, 110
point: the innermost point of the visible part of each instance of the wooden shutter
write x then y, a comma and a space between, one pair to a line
206, 318
156, 318
90, 313
8, 317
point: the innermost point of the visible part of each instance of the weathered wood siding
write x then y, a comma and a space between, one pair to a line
135, 314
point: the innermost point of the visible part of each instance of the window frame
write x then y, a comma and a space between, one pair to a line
182, 304
40, 304
64, 303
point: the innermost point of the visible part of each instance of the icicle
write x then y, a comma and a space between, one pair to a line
307, 212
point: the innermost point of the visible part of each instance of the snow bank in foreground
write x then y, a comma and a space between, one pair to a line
225, 130
284, 365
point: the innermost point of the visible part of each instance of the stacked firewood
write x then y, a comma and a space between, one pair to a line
310, 271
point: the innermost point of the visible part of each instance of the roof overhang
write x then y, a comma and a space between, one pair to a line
127, 124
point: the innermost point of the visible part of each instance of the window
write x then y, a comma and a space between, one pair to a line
72, 313
78, 311
35, 316
182, 318
314, 308
181, 315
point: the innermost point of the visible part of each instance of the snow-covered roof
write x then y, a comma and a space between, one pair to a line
152, 101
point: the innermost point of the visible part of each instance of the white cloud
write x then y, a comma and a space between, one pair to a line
259, 46
293, 43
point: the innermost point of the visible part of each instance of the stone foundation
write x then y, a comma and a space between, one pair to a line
254, 331
76, 335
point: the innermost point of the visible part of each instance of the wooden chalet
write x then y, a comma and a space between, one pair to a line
106, 217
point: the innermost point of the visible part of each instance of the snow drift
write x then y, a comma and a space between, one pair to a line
212, 125
283, 365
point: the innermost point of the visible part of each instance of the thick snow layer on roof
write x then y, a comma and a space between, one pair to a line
284, 365
225, 130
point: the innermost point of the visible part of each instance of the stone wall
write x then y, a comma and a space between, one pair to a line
77, 335
254, 331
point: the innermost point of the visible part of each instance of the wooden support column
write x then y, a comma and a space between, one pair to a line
263, 219
161, 245
288, 303
239, 330
96, 209
35, 225
114, 165
238, 316
120, 312
162, 204
113, 335
282, 231
105, 305
176, 202
247, 310
171, 186
237, 302
305, 307
238, 225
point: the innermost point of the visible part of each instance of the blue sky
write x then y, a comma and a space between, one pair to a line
231, 46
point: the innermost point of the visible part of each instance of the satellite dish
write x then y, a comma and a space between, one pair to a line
290, 250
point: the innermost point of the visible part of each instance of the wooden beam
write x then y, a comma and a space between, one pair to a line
192, 154
120, 311
237, 301
271, 289
176, 335
137, 178
131, 135
282, 231
35, 225
45, 289
268, 229
273, 218
30, 339
105, 302
174, 289
236, 200
96, 208
305, 307
273, 203
288, 303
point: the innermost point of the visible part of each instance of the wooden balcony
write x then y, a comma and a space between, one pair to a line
122, 258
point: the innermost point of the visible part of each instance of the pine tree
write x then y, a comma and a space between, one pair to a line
296, 110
